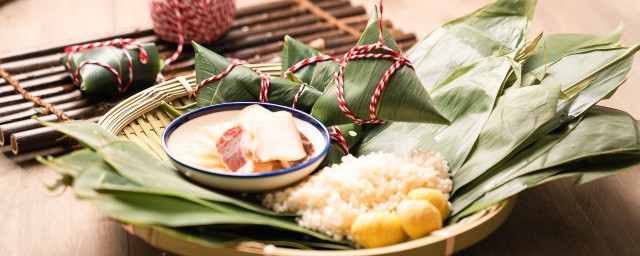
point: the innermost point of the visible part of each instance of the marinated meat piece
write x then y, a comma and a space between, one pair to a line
235, 158
230, 149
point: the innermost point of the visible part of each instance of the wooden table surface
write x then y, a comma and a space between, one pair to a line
599, 218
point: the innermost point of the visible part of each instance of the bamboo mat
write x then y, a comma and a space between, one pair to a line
256, 36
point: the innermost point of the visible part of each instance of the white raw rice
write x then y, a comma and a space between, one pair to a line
331, 200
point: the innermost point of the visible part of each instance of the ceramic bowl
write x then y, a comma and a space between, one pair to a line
315, 131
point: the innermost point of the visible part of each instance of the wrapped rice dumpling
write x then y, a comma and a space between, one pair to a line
320, 75
99, 80
404, 99
244, 85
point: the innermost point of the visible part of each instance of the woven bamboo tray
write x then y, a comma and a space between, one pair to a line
141, 119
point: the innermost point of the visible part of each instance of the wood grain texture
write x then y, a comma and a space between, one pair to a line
599, 218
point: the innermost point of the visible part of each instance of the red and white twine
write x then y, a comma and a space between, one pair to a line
265, 80
119, 42
338, 137
362, 52
298, 93
191, 20
308, 61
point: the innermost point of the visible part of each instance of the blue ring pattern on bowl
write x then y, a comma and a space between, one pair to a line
175, 124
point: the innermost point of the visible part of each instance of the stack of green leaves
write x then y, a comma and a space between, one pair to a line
132, 185
521, 114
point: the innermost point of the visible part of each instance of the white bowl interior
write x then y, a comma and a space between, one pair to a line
178, 141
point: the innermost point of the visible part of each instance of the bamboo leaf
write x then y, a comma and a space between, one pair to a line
554, 47
217, 236
139, 165
500, 28
468, 95
602, 131
143, 168
497, 145
515, 186
515, 118
173, 212
89, 134
318, 75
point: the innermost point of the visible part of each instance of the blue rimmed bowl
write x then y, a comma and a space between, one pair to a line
184, 125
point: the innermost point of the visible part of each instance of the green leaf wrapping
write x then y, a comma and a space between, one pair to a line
499, 28
319, 75
243, 84
97, 80
403, 100
467, 97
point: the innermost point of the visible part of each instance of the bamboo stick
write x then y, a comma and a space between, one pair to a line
268, 16
262, 49
12, 99
277, 46
38, 82
46, 61
60, 77
35, 111
30, 157
26, 61
289, 18
62, 98
276, 34
39, 138
261, 8
6, 130
307, 5
35, 74
25, 54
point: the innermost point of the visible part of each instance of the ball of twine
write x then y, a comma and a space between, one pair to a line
202, 21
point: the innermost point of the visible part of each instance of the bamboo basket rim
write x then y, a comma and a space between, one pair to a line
468, 231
